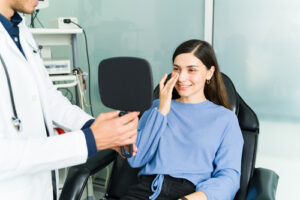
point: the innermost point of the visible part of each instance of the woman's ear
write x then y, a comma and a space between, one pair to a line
210, 73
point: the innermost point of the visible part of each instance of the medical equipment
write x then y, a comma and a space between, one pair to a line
61, 23
58, 66
49, 37
42, 4
15, 119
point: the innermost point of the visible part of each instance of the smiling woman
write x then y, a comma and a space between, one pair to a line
193, 143
199, 73
191, 77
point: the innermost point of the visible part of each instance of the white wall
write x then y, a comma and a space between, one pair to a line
279, 150
258, 45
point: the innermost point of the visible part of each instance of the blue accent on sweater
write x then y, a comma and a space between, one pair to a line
200, 142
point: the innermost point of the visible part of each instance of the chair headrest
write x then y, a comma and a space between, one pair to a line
246, 116
231, 93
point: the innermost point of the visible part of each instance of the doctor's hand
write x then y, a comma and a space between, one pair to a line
165, 93
134, 150
111, 131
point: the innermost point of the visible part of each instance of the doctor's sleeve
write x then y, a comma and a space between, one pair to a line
69, 116
64, 114
25, 156
225, 180
150, 127
89, 138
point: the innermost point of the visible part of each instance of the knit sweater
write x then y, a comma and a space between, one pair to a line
200, 142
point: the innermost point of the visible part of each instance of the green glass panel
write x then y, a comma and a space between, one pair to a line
140, 28
258, 46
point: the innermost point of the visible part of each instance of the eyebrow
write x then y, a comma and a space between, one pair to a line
190, 66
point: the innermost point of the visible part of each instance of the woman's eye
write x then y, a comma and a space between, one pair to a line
192, 70
175, 69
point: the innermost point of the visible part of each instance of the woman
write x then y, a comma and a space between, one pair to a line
190, 147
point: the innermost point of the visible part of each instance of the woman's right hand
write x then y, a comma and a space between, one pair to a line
165, 93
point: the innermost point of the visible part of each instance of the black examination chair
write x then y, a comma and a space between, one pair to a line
256, 183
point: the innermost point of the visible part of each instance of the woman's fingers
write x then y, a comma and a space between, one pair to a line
165, 95
171, 83
162, 82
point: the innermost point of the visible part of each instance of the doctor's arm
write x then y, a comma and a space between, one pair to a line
24, 155
63, 113
109, 130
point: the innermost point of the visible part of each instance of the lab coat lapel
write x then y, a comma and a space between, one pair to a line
10, 43
35, 63
16, 65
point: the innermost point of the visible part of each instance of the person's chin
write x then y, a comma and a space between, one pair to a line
183, 93
28, 11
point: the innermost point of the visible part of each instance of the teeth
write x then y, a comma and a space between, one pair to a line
184, 86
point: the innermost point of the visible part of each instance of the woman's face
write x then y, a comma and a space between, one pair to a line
192, 77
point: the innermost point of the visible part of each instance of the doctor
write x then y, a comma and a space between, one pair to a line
30, 105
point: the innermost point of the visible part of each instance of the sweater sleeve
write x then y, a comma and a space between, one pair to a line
150, 128
225, 180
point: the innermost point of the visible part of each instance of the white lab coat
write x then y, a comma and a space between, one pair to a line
27, 157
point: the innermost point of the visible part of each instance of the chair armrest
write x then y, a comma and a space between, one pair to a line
78, 175
263, 185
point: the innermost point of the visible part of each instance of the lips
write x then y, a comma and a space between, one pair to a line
183, 87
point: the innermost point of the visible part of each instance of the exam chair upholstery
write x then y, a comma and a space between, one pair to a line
256, 183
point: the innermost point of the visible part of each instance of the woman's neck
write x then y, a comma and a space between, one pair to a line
191, 100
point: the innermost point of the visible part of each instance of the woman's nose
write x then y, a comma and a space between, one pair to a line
182, 75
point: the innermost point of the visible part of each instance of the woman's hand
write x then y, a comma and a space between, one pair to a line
199, 195
165, 93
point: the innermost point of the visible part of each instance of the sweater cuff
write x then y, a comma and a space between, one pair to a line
90, 142
206, 192
88, 124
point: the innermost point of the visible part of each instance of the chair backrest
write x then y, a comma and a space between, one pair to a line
250, 128
123, 175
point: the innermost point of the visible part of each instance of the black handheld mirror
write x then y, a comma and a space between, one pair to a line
125, 84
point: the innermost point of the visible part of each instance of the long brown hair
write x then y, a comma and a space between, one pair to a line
214, 91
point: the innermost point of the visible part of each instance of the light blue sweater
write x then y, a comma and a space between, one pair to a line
200, 142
